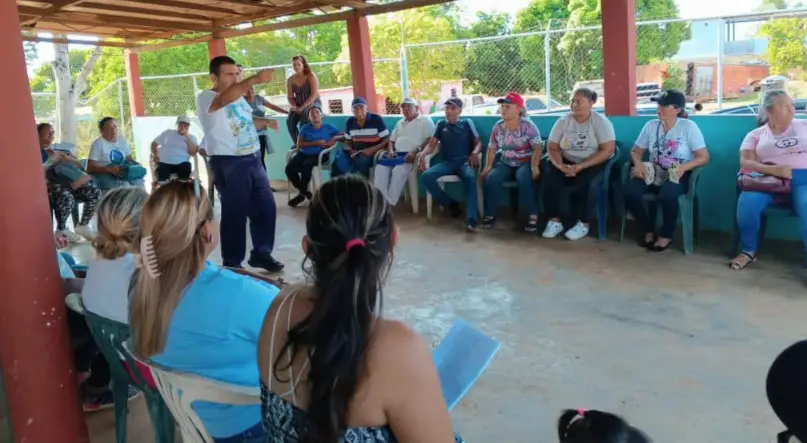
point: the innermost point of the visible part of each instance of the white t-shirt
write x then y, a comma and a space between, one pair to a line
409, 136
230, 130
676, 146
106, 288
105, 152
173, 148
579, 141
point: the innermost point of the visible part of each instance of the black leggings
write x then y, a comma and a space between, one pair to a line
584, 190
164, 171
65, 199
87, 355
299, 170
787, 388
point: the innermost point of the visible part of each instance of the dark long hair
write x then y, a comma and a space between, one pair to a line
306, 66
350, 230
579, 426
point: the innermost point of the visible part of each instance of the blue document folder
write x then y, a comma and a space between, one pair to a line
463, 355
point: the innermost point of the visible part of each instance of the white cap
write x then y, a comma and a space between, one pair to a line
410, 101
183, 119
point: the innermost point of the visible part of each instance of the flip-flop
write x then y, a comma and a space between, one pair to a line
733, 264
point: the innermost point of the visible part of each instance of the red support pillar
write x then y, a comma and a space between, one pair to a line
361, 60
35, 354
134, 83
619, 56
216, 47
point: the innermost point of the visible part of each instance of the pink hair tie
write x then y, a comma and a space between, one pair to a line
581, 412
355, 242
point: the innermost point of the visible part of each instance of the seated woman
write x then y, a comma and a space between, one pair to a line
110, 159
676, 147
106, 287
68, 187
172, 151
514, 153
580, 145
313, 138
332, 369
192, 316
775, 148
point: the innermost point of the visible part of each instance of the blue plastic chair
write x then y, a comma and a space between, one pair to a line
687, 204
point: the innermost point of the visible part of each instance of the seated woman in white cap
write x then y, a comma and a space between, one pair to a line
172, 151
411, 134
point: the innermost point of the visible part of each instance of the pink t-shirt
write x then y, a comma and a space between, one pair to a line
787, 149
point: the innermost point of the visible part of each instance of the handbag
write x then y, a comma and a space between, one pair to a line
754, 181
132, 171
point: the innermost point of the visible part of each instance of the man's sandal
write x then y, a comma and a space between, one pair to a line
742, 261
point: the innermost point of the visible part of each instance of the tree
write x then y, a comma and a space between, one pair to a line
785, 43
30, 51
428, 67
768, 5
485, 71
69, 90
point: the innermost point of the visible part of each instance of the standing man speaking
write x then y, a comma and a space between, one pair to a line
231, 139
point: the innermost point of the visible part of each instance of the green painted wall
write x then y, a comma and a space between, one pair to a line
716, 189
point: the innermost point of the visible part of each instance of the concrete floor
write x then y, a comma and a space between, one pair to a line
678, 345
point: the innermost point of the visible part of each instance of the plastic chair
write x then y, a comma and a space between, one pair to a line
181, 390
411, 193
110, 337
452, 179
772, 211
687, 204
317, 174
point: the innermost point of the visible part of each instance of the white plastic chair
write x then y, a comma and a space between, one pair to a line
181, 390
411, 193
451, 179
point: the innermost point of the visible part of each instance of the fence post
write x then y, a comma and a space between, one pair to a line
195, 86
404, 73
547, 68
120, 103
721, 35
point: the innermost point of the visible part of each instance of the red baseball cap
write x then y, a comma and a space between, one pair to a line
514, 98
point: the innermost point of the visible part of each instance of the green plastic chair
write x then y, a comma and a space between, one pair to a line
110, 337
687, 204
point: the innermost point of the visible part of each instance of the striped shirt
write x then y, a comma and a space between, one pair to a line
368, 135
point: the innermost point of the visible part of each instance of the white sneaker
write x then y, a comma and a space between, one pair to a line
86, 231
70, 235
578, 231
553, 228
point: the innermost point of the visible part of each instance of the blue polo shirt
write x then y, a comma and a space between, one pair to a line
311, 134
214, 333
456, 140
367, 136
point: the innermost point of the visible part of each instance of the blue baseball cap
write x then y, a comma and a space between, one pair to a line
359, 101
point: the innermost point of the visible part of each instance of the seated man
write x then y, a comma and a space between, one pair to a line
313, 138
410, 136
172, 151
365, 135
460, 150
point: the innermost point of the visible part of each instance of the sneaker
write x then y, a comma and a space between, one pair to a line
470, 225
86, 231
93, 403
553, 228
71, 236
578, 231
266, 262
296, 200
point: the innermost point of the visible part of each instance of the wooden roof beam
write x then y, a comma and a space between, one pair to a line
112, 20
101, 8
36, 38
268, 14
179, 5
355, 4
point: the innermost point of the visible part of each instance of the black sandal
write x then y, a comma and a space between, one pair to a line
733, 264
647, 244
488, 222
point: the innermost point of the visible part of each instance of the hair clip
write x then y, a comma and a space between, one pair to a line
355, 242
147, 259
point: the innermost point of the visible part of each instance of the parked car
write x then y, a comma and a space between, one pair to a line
536, 104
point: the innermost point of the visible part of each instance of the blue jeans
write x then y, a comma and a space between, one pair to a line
750, 206
526, 187
666, 197
245, 194
468, 176
255, 434
345, 164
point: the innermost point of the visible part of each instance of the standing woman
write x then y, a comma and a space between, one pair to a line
676, 147
303, 89
257, 103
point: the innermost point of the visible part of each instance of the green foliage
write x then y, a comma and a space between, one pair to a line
494, 66
676, 78
30, 51
785, 43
